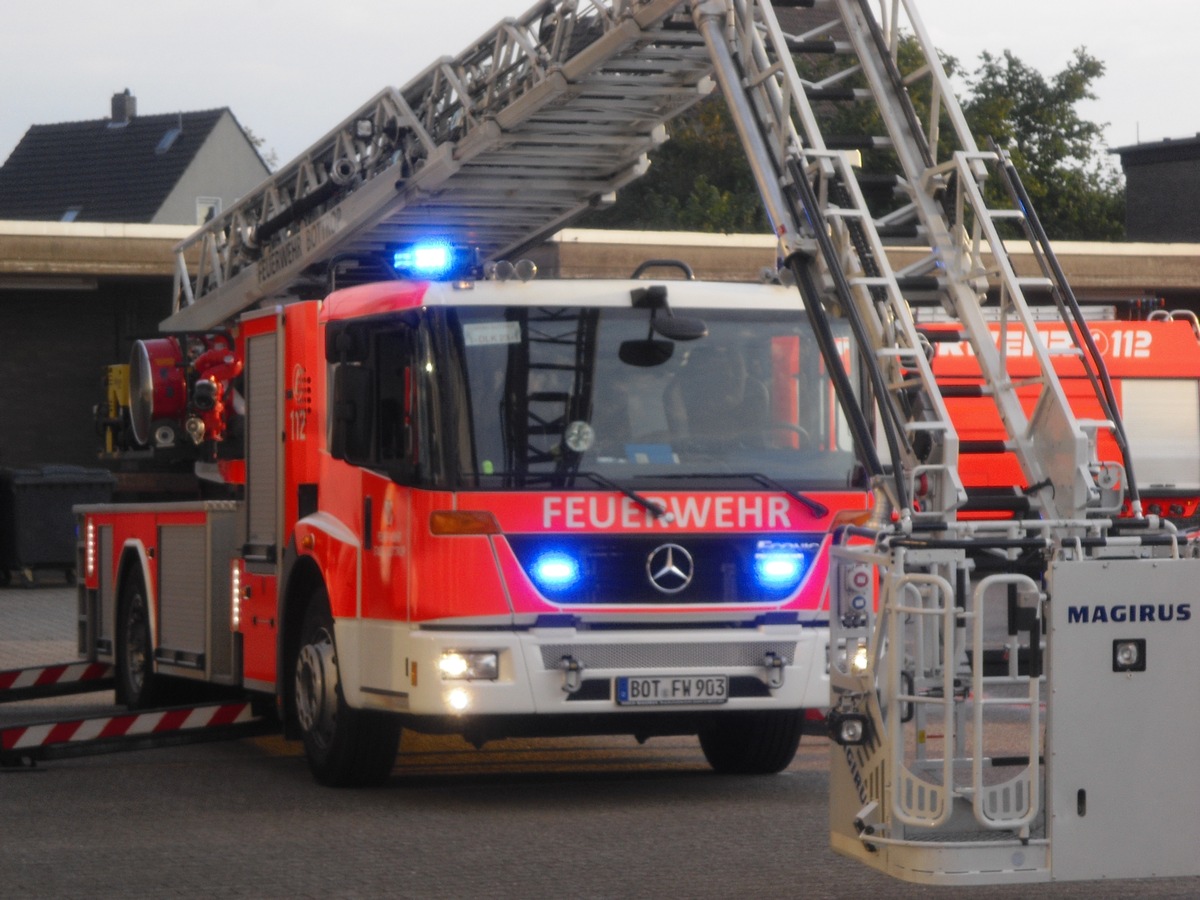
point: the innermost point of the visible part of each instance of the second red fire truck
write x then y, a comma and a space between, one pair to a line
1154, 367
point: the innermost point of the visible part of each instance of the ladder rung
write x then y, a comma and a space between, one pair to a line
844, 212
869, 281
896, 353
931, 426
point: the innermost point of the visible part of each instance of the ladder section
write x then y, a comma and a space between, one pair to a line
832, 240
543, 117
942, 178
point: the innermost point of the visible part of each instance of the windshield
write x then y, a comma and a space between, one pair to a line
576, 396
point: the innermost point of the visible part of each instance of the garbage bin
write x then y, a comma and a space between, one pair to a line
37, 526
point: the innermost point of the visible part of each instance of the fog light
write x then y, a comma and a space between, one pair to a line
1129, 655
469, 665
458, 700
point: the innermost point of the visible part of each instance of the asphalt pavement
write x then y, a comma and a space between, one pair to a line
596, 818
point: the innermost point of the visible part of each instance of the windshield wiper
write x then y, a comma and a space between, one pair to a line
816, 507
655, 509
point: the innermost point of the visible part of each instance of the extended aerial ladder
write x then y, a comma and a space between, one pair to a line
543, 117
943, 772
548, 115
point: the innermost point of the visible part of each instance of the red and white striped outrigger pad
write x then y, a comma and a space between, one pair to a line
45, 681
133, 730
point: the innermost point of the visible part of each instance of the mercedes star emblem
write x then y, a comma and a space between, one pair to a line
670, 568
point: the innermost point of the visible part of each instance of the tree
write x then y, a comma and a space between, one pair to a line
700, 179
1060, 156
269, 157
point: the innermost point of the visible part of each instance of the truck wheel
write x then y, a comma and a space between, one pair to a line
345, 747
137, 684
752, 743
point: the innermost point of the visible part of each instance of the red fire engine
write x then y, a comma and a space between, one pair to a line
495, 508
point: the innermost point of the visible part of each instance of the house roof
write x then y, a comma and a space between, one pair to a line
108, 171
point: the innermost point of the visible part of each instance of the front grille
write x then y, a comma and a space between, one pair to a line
636, 657
614, 569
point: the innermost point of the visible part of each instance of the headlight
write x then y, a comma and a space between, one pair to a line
469, 665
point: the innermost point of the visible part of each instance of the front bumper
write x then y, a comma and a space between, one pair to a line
570, 671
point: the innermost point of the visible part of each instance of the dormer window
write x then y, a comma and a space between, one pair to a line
171, 136
71, 214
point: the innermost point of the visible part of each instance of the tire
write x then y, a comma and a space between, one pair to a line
752, 743
344, 747
137, 684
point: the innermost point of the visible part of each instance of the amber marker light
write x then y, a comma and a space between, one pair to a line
464, 521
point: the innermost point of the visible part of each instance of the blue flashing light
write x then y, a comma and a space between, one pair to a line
778, 570
555, 571
431, 260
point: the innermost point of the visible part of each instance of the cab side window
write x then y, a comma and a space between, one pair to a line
372, 412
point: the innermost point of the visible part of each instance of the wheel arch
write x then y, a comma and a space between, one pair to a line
134, 562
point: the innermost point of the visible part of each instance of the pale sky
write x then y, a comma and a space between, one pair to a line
293, 69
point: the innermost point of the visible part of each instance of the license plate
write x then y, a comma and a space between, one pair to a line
658, 690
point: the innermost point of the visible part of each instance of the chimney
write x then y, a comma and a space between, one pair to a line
124, 108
